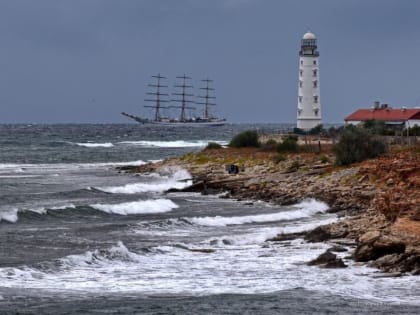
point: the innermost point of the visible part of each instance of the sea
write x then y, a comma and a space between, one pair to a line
77, 236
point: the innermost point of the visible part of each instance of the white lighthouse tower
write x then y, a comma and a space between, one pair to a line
309, 102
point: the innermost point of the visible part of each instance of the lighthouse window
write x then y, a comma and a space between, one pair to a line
301, 62
314, 62
316, 110
315, 84
315, 72
300, 83
300, 99
301, 72
315, 99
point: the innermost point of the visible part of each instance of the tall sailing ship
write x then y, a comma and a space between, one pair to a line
183, 96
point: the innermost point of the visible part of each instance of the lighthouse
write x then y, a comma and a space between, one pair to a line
309, 102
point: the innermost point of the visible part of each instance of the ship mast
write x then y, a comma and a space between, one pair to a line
207, 98
157, 96
184, 97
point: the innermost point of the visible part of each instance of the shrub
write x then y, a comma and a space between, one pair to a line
289, 144
270, 145
413, 131
279, 158
248, 138
324, 159
357, 144
213, 146
315, 130
294, 166
379, 128
298, 131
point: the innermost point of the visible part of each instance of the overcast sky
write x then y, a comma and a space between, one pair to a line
88, 60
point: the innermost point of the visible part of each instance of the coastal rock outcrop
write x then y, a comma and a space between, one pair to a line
328, 260
378, 199
373, 245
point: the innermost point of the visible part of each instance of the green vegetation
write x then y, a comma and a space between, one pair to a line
413, 131
315, 130
213, 146
289, 144
248, 138
270, 145
279, 158
377, 127
357, 144
324, 159
294, 166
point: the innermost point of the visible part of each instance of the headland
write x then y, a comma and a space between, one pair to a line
377, 200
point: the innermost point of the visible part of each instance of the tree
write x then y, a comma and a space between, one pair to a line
357, 144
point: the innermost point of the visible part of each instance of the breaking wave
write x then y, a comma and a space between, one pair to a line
137, 207
11, 215
94, 145
178, 180
304, 209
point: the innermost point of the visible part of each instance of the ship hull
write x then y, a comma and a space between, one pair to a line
174, 123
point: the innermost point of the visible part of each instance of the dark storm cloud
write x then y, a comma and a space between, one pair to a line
87, 60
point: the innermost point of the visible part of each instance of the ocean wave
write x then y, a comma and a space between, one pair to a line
10, 168
172, 144
304, 209
11, 215
178, 179
93, 144
263, 234
137, 207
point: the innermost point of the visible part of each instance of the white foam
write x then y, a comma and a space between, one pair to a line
303, 210
172, 144
138, 207
261, 235
176, 180
239, 270
9, 215
94, 145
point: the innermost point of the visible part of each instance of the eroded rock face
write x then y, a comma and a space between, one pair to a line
373, 245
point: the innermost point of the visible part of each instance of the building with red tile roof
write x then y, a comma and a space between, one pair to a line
393, 116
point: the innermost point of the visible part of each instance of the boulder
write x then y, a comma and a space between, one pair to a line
369, 237
328, 260
373, 245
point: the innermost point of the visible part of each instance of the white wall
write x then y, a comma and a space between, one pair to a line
307, 117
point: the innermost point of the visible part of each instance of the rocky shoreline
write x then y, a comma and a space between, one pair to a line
379, 199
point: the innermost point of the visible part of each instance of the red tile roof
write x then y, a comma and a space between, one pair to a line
386, 114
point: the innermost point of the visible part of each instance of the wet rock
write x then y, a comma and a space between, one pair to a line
319, 234
337, 249
226, 242
286, 237
328, 260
